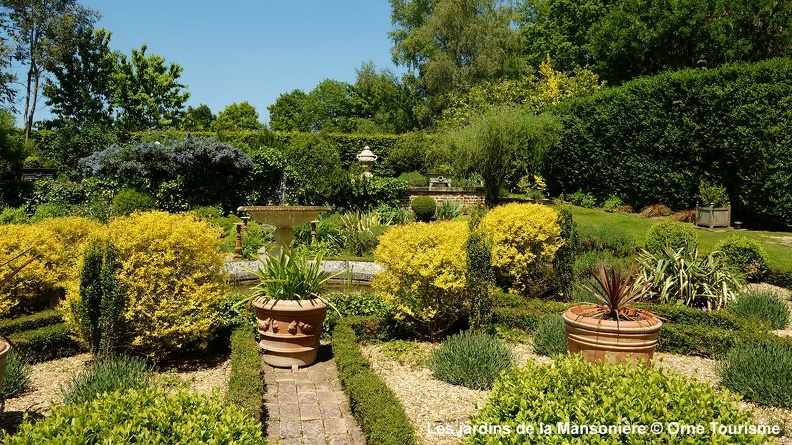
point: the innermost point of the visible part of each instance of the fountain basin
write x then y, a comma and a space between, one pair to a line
283, 218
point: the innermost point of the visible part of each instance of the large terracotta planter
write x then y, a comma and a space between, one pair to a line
290, 330
609, 341
5, 348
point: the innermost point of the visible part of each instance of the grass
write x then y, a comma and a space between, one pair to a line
778, 255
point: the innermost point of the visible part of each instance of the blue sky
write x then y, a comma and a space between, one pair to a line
252, 50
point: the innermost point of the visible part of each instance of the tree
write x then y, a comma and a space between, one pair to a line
81, 92
559, 28
386, 104
241, 116
146, 92
455, 44
197, 119
43, 32
286, 114
331, 106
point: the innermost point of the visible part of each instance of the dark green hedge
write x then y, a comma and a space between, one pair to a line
653, 139
47, 343
245, 384
30, 322
373, 404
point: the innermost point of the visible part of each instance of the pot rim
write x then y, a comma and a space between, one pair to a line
573, 318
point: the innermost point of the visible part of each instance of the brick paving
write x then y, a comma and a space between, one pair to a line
309, 407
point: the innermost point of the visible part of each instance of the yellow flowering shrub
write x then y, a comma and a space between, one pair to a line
172, 275
424, 276
57, 244
523, 239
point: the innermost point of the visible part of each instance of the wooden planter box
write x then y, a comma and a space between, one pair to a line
713, 216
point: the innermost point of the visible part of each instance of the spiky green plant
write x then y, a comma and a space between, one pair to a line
617, 292
286, 276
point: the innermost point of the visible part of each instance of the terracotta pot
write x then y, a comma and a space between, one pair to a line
290, 330
609, 341
5, 348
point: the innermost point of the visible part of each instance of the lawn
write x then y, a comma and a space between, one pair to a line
779, 255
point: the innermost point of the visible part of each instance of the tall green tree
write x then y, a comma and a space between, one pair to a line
242, 116
81, 90
199, 118
386, 104
332, 107
559, 28
43, 33
146, 91
451, 45
286, 114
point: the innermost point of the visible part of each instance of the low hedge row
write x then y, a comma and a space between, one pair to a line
47, 343
30, 322
245, 384
781, 278
373, 404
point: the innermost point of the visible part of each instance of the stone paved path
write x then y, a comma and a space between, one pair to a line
309, 407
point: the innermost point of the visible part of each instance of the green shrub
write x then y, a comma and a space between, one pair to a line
611, 238
424, 208
573, 392
681, 276
50, 210
107, 375
10, 215
471, 359
668, 233
424, 278
549, 338
245, 384
612, 204
173, 278
582, 199
37, 320
414, 179
744, 255
564, 261
142, 416
479, 281
523, 240
375, 407
129, 200
768, 307
449, 209
712, 194
363, 303
101, 304
47, 342
760, 371
17, 375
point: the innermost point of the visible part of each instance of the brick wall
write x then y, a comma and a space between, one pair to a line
467, 196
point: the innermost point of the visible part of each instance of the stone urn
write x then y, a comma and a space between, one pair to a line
611, 341
290, 330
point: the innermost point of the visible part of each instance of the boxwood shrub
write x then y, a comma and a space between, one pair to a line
576, 393
142, 416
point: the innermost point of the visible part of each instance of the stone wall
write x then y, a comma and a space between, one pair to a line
467, 196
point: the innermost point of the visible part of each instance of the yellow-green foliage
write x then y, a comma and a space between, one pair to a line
523, 239
57, 244
172, 274
424, 277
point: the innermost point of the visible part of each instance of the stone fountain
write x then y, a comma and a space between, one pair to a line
283, 218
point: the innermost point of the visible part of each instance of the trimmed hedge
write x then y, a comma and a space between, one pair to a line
30, 322
373, 404
655, 138
47, 343
245, 384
